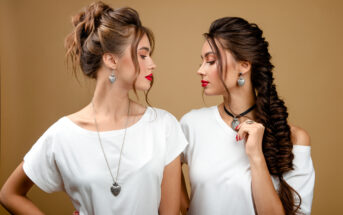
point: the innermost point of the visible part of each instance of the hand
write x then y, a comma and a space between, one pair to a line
252, 132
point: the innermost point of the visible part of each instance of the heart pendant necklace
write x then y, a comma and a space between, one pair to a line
115, 188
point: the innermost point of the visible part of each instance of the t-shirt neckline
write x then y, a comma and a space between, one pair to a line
220, 120
109, 132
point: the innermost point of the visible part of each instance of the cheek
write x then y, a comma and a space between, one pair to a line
216, 85
231, 74
214, 75
126, 66
142, 65
141, 79
142, 69
230, 80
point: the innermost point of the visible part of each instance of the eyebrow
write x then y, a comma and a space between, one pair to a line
144, 48
207, 54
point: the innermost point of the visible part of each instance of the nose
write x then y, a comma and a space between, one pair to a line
152, 65
201, 70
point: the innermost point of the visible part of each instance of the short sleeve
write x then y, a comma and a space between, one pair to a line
186, 132
175, 139
40, 165
302, 178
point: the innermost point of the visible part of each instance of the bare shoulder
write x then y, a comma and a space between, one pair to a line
300, 136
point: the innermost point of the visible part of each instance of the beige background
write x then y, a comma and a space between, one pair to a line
305, 42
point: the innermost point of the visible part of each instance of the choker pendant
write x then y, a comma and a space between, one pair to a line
235, 122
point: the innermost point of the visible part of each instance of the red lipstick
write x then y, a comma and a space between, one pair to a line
149, 77
204, 83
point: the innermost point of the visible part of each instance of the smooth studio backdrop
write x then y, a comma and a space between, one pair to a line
305, 42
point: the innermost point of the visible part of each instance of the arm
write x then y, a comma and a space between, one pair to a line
265, 197
171, 189
13, 193
184, 196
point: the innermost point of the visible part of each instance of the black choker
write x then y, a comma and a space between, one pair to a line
235, 121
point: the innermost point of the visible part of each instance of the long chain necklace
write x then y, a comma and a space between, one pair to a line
235, 122
115, 188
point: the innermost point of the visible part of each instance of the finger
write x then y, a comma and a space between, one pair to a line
243, 131
249, 122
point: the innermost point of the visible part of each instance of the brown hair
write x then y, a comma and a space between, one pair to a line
245, 42
99, 29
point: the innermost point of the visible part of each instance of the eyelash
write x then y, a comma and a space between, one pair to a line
143, 57
209, 62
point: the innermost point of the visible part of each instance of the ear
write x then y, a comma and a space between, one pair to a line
244, 67
110, 60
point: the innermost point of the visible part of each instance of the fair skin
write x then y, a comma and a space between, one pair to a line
111, 104
240, 98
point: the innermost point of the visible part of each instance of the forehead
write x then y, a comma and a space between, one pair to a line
206, 47
144, 41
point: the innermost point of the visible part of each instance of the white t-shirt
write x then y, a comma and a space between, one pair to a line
68, 158
219, 168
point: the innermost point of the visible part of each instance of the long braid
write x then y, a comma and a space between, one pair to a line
277, 145
246, 43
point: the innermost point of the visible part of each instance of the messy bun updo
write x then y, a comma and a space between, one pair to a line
99, 29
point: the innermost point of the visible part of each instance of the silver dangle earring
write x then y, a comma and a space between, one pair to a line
241, 80
112, 78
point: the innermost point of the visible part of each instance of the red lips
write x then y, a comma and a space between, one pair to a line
204, 83
149, 77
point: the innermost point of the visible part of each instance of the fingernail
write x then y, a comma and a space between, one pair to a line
236, 127
236, 137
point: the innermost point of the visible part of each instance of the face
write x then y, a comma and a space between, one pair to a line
125, 69
209, 72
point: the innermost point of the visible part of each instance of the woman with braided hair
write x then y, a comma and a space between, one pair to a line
243, 156
114, 156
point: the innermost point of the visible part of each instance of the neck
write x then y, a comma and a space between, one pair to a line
240, 100
110, 99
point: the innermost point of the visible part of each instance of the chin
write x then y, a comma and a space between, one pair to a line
209, 92
144, 87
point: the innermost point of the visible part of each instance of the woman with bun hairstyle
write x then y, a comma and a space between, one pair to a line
114, 156
243, 155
